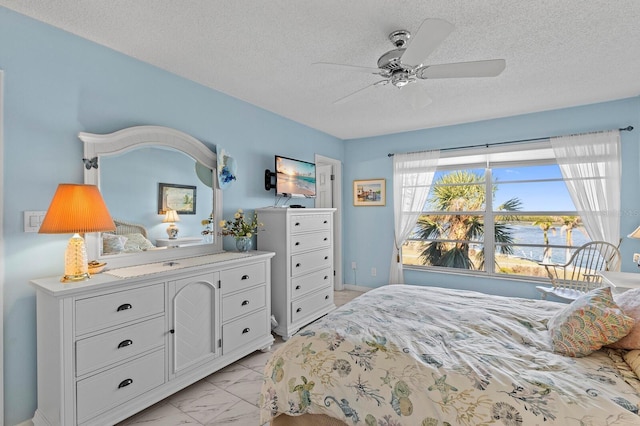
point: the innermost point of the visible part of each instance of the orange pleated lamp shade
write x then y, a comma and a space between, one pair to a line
77, 208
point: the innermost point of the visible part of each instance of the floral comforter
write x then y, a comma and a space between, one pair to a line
405, 355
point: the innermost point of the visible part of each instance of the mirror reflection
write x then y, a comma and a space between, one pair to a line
151, 192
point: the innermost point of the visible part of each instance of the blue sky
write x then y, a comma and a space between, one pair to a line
544, 196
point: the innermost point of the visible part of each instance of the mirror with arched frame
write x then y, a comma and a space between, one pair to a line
128, 166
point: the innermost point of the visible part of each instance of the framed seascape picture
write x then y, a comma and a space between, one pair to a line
181, 198
370, 192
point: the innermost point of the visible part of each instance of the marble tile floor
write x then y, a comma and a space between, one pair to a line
225, 398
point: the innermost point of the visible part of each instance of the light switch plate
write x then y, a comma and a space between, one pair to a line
33, 220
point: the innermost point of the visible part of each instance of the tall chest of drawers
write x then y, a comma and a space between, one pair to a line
113, 345
302, 270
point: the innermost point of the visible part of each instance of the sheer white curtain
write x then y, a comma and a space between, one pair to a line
412, 177
590, 165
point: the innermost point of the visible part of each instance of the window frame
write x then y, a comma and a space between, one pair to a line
488, 158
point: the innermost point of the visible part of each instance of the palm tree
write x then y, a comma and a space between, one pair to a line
546, 224
455, 194
569, 224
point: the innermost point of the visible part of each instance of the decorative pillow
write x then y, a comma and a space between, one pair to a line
137, 242
112, 243
588, 323
629, 303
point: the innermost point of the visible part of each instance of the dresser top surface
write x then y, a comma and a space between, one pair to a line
119, 276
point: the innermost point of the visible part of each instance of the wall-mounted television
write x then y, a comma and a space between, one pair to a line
295, 178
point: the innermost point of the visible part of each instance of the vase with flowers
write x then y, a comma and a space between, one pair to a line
207, 233
241, 229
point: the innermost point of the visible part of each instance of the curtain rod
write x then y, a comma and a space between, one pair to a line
624, 129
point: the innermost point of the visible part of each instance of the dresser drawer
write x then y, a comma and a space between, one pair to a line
244, 330
115, 346
242, 277
304, 242
242, 303
311, 282
307, 262
95, 313
308, 222
108, 389
310, 304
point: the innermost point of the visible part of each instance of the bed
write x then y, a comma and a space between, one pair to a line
128, 237
409, 355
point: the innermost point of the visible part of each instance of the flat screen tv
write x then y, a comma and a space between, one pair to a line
295, 178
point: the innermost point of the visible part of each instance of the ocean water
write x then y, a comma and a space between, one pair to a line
529, 234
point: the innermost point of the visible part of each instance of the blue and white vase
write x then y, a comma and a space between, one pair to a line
244, 243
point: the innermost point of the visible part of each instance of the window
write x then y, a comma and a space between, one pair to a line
496, 211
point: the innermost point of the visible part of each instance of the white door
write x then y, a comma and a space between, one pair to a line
324, 188
329, 194
194, 323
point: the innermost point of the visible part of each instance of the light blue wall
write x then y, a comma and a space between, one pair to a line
368, 235
57, 85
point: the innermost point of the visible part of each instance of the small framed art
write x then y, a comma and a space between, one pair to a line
181, 198
370, 192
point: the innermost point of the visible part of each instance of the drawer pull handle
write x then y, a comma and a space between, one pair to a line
297, 243
245, 277
125, 343
326, 297
297, 265
125, 383
299, 310
325, 222
326, 277
245, 302
297, 224
124, 307
297, 287
326, 238
172, 331
326, 257
246, 330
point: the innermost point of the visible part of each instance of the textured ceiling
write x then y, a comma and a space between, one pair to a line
558, 53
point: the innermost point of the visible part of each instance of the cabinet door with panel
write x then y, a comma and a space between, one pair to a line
194, 320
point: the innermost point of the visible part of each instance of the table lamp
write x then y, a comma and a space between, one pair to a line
171, 217
76, 209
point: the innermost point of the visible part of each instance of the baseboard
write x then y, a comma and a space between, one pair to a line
356, 288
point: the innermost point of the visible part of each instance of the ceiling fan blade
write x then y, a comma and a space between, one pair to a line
344, 67
431, 33
415, 94
489, 68
359, 93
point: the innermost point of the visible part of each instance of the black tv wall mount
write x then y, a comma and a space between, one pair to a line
268, 174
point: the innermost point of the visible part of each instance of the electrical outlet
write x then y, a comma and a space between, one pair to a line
353, 265
374, 272
636, 257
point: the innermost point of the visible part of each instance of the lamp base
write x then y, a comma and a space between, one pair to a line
76, 267
74, 278
172, 231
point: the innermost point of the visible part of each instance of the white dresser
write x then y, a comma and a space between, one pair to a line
302, 270
124, 340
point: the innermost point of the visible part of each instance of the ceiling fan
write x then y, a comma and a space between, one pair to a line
403, 66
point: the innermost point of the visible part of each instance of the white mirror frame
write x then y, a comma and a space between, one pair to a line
101, 145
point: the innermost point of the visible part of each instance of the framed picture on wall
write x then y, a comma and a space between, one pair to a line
181, 198
370, 192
